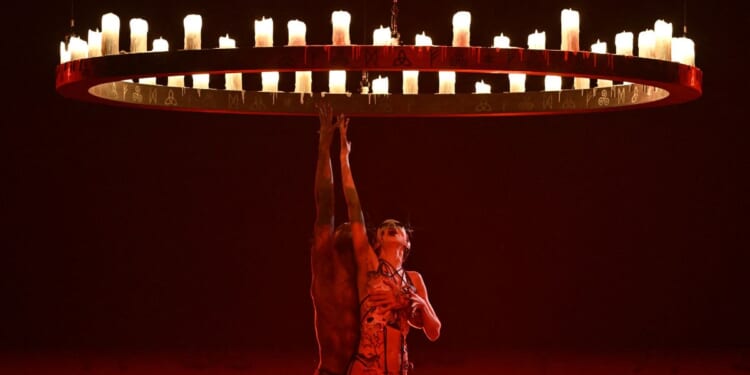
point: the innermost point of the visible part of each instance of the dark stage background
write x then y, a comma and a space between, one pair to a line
139, 231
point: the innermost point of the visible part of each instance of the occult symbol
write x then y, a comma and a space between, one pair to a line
152, 96
483, 106
371, 58
113, 92
603, 101
234, 101
401, 59
636, 94
170, 100
137, 96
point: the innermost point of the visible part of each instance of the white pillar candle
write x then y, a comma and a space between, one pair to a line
683, 51
337, 81
232, 81
64, 53
380, 85
601, 47
200, 81
110, 34
537, 40
624, 43
341, 20
501, 41
580, 83
447, 82
410, 82
570, 26
303, 82
193, 24
552, 83
270, 81
264, 32
517, 82
422, 40
158, 45
297, 31
663, 43
461, 29
95, 43
647, 44
176, 81
78, 48
381, 36
138, 35
482, 88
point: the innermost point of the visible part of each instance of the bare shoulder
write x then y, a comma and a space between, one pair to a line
417, 279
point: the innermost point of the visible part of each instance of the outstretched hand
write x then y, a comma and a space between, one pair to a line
342, 122
325, 114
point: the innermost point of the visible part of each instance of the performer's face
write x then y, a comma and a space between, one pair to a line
393, 230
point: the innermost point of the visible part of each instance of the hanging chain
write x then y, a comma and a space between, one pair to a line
394, 26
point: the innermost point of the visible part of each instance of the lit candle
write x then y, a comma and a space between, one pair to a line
78, 48
482, 88
447, 82
303, 82
138, 35
264, 32
110, 34
422, 40
570, 24
176, 81
461, 29
517, 82
297, 30
381, 36
580, 83
270, 81
624, 43
601, 47
380, 85
552, 83
663, 44
647, 44
160, 45
95, 43
337, 81
410, 83
232, 81
64, 53
341, 20
501, 41
193, 24
683, 51
537, 40
200, 81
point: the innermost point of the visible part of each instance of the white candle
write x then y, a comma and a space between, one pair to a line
380, 85
461, 29
537, 40
683, 51
337, 81
580, 83
410, 82
647, 44
482, 88
447, 82
78, 48
264, 32
232, 81
110, 34
381, 36
303, 82
601, 47
517, 82
160, 45
422, 40
624, 43
341, 20
552, 83
200, 81
270, 81
138, 35
663, 44
64, 53
193, 24
176, 81
95, 43
297, 30
570, 24
501, 41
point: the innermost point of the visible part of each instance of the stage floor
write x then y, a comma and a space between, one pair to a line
235, 362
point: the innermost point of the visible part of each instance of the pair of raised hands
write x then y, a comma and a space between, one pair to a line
328, 125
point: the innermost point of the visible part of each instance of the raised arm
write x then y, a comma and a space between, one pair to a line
324, 178
365, 257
